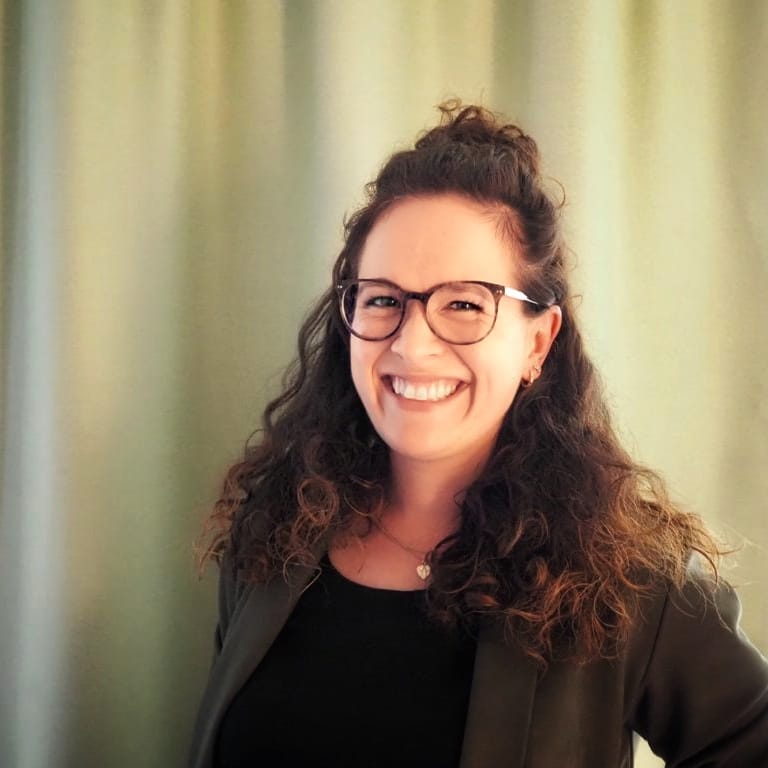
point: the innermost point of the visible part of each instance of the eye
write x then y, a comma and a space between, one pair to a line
385, 302
464, 306
463, 301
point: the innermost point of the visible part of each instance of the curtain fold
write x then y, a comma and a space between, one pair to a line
174, 177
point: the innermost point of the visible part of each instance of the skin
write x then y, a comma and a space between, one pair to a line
437, 448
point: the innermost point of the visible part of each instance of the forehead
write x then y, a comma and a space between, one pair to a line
421, 241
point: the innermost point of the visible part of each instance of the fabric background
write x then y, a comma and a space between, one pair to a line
173, 180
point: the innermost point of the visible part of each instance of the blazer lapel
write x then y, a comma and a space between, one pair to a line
265, 610
500, 705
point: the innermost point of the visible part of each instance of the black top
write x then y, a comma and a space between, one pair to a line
357, 677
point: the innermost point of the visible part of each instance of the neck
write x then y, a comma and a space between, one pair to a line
425, 496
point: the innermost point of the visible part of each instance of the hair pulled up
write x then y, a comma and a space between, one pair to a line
562, 534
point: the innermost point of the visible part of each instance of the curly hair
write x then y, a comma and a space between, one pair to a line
562, 533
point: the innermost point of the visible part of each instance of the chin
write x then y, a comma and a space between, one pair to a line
419, 453
426, 448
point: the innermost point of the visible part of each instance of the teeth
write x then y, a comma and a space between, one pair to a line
436, 390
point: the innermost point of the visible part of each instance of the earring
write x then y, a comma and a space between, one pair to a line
533, 374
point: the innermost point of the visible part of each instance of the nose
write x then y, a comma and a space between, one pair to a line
415, 338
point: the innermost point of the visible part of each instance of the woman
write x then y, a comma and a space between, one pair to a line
438, 554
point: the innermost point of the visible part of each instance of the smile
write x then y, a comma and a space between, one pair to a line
436, 390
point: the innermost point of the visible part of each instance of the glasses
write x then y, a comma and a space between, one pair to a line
458, 313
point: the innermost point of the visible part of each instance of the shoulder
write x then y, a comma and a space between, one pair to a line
674, 616
698, 685
697, 620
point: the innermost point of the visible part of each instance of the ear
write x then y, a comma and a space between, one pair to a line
543, 331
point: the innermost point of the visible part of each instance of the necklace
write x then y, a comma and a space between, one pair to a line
422, 569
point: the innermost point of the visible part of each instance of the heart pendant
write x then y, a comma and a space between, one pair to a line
423, 570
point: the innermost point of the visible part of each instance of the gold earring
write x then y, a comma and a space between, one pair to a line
533, 374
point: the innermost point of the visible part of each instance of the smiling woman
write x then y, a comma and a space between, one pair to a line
438, 553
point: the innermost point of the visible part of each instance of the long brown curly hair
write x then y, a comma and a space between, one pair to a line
562, 533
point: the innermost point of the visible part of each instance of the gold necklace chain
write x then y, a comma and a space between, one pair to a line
422, 569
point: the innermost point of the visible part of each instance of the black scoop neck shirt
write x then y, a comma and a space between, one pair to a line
358, 677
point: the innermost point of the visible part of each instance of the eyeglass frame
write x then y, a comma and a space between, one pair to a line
497, 290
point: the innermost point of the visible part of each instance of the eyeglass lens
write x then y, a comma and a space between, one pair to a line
460, 313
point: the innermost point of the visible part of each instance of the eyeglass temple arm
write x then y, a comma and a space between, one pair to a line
513, 293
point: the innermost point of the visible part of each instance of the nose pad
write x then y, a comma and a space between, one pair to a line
415, 337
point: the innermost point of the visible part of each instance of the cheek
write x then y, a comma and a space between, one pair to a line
361, 358
497, 374
355, 364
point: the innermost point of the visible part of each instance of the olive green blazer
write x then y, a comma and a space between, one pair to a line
689, 682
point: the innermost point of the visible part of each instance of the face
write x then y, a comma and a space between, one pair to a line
418, 243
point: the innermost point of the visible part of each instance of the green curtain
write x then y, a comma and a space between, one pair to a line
174, 175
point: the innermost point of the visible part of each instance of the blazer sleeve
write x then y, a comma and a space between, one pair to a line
703, 700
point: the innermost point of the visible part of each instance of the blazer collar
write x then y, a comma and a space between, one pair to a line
501, 698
